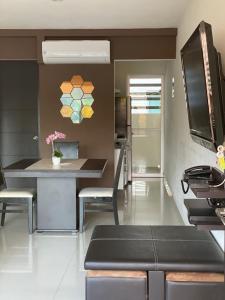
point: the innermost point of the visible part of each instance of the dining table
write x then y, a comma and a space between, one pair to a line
56, 188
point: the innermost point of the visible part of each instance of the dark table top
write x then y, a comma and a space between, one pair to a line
79, 168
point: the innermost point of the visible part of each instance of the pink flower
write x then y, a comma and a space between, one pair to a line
54, 136
60, 135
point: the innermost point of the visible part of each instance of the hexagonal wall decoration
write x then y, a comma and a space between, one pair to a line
77, 81
87, 87
66, 87
77, 93
76, 117
66, 99
87, 99
66, 111
87, 112
76, 105
77, 99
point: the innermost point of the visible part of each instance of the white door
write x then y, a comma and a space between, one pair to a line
146, 95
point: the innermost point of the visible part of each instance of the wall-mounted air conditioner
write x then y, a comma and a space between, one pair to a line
76, 52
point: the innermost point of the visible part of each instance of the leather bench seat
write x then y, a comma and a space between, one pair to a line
137, 232
180, 262
153, 248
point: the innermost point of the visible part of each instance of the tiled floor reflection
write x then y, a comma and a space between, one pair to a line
145, 171
50, 266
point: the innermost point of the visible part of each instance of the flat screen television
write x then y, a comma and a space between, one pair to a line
204, 88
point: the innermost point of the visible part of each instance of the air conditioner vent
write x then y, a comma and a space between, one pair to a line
76, 52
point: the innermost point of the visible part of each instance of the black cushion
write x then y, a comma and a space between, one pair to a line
120, 255
195, 291
126, 232
180, 233
189, 256
112, 288
164, 248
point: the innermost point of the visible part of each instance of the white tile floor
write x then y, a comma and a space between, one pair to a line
50, 266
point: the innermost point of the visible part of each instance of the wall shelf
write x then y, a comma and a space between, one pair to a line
202, 215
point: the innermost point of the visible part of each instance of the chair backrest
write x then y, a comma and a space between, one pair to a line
2, 179
70, 150
118, 171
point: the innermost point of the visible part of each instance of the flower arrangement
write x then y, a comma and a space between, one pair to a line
50, 140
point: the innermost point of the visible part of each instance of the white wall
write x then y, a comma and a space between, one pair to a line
123, 69
181, 152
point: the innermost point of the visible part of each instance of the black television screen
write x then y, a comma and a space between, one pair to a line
203, 87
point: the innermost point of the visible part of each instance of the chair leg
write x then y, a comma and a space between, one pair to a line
4, 205
115, 212
30, 215
82, 214
35, 213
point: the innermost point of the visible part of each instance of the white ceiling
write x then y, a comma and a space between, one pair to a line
30, 14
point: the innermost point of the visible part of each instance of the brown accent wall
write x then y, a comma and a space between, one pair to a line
144, 47
96, 136
18, 48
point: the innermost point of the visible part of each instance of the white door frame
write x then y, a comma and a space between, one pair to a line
161, 174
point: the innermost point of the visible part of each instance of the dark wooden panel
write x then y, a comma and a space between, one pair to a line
13, 121
121, 116
213, 193
200, 213
18, 115
152, 43
148, 47
94, 164
19, 48
18, 144
21, 165
89, 32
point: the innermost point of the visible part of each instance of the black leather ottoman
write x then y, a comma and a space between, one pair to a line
161, 252
116, 285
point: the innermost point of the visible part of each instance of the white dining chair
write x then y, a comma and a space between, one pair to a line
17, 197
100, 195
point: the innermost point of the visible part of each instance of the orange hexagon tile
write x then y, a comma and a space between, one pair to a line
87, 112
66, 87
77, 81
87, 87
66, 111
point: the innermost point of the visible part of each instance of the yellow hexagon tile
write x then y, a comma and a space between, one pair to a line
66, 87
87, 112
66, 111
87, 87
77, 81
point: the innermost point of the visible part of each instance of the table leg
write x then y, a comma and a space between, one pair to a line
56, 204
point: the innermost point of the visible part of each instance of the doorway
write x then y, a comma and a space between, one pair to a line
140, 84
18, 113
145, 94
